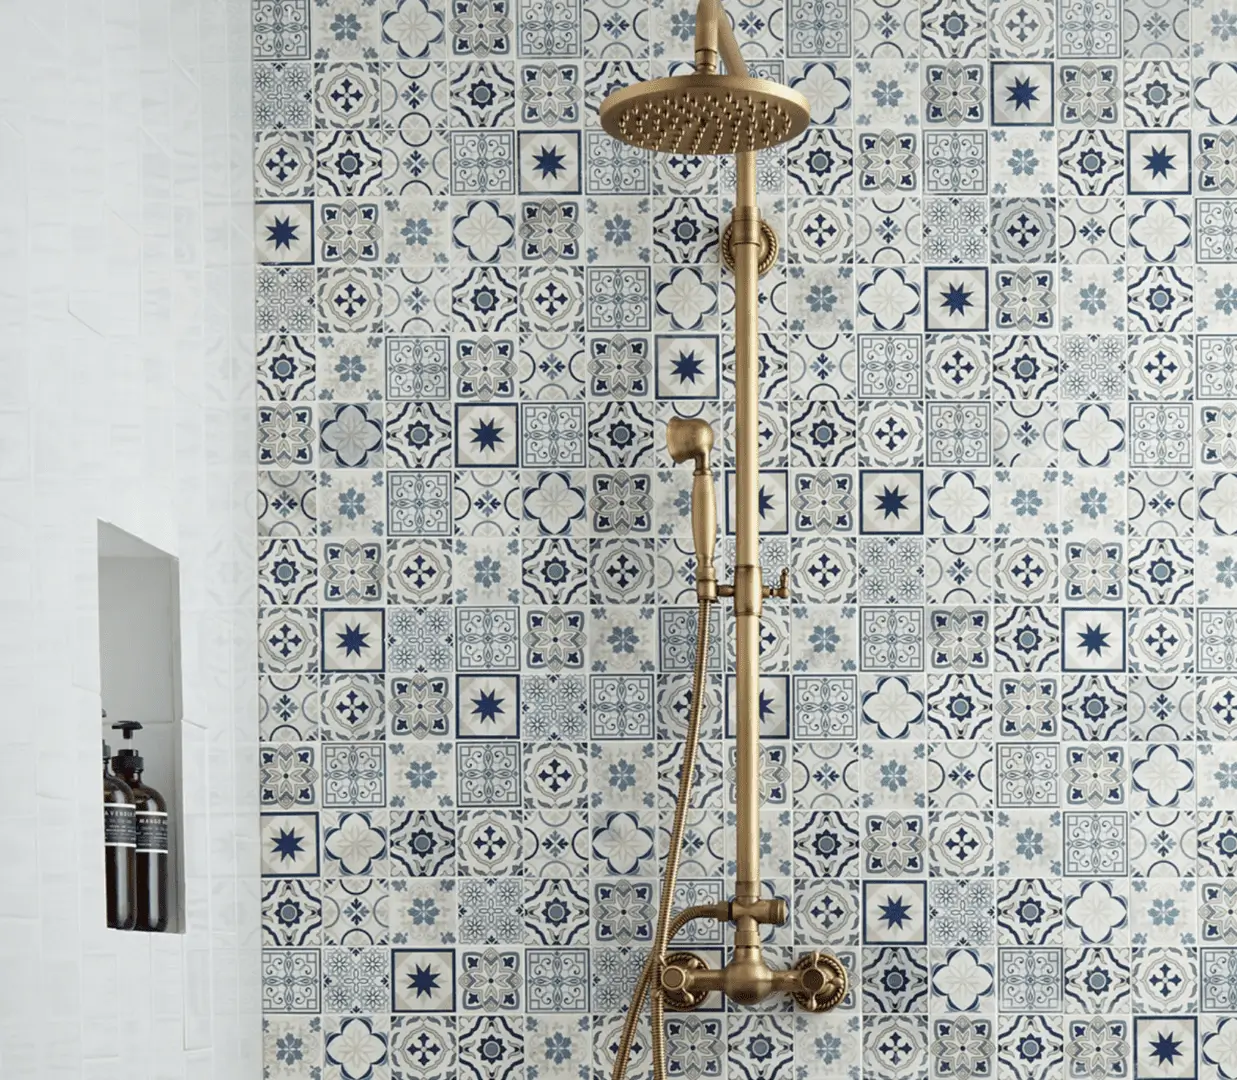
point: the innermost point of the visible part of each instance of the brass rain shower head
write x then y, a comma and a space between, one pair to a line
705, 113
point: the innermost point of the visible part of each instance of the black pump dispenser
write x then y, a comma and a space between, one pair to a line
127, 754
119, 847
152, 835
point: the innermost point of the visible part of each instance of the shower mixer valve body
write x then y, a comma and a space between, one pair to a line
816, 981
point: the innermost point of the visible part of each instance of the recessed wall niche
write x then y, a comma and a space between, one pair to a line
140, 677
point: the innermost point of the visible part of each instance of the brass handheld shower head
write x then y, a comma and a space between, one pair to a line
689, 440
692, 440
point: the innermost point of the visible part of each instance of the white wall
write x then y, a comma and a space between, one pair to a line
125, 395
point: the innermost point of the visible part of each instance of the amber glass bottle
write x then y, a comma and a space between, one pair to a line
151, 812
119, 848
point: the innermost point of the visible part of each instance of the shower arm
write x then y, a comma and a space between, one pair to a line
714, 37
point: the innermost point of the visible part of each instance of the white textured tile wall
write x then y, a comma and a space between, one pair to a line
126, 394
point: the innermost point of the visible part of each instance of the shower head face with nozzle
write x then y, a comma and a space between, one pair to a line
705, 114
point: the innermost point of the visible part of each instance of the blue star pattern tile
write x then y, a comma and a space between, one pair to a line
487, 707
1022, 94
1165, 1047
284, 233
486, 435
353, 639
955, 298
290, 845
1093, 639
1158, 162
891, 502
687, 366
423, 980
998, 453
895, 911
549, 162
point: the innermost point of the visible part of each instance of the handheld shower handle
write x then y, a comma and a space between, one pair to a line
704, 532
692, 440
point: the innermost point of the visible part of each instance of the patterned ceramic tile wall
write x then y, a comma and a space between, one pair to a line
999, 438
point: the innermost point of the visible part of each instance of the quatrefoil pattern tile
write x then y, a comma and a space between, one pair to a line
998, 438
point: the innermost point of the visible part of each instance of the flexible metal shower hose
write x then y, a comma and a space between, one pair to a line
666, 927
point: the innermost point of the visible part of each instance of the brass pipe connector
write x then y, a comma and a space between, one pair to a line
706, 61
714, 37
748, 590
771, 911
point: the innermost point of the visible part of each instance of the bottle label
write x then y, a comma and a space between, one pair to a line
152, 831
119, 825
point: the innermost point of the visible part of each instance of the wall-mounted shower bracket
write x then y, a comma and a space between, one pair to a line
768, 248
743, 589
